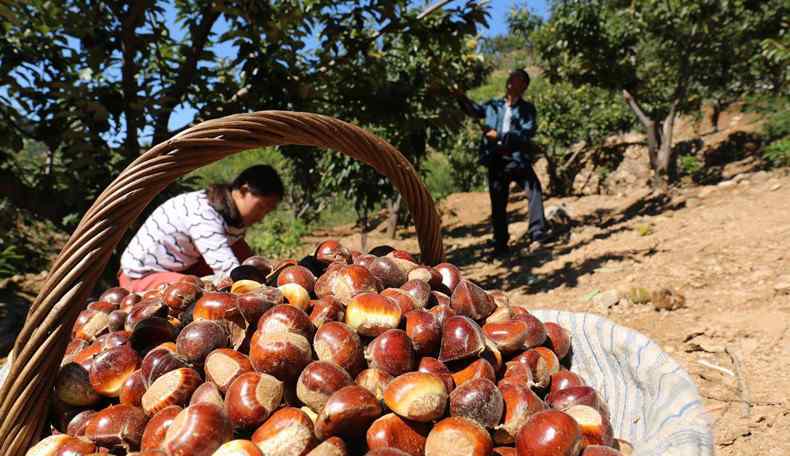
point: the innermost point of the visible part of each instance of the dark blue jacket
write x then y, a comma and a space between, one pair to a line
523, 125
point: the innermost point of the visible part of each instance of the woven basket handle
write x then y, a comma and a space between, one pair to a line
42, 341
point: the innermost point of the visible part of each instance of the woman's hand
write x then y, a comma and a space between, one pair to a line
491, 134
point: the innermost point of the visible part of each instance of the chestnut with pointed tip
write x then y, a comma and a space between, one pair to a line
117, 427
251, 399
172, 388
392, 431
564, 379
420, 291
479, 368
288, 318
207, 393
157, 426
472, 301
111, 368
224, 365
549, 433
392, 352
518, 373
558, 339
326, 309
133, 389
239, 447
280, 354
536, 330
458, 436
424, 331
370, 314
442, 312
61, 444
520, 403
180, 295
287, 432
337, 342
318, 381
73, 386
200, 338
198, 430
401, 298
418, 396
462, 338
478, 399
501, 314
348, 412
90, 324
595, 428
375, 381
436, 367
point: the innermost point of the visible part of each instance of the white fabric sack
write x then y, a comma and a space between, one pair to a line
653, 402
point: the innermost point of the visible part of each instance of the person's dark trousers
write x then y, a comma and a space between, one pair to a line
499, 178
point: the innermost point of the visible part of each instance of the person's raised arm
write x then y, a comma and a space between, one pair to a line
469, 107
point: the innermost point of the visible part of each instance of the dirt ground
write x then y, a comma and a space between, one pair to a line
722, 248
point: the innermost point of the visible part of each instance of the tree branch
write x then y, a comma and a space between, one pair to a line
186, 73
634, 105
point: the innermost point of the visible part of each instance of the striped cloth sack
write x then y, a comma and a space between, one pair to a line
653, 402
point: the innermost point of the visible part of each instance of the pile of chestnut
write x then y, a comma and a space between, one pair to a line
341, 353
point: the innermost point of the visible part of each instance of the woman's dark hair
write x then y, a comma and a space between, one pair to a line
262, 180
522, 73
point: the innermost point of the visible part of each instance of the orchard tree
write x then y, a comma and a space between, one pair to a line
657, 53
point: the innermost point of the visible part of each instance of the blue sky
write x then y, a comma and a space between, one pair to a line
499, 10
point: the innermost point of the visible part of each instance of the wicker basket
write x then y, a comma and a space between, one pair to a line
43, 339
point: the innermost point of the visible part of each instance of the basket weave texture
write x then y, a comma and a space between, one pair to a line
43, 339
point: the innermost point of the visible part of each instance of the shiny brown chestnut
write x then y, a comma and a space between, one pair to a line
214, 306
462, 338
331, 251
420, 291
392, 431
346, 282
150, 332
76, 426
577, 395
595, 428
375, 381
285, 317
536, 330
111, 368
129, 301
102, 306
287, 432
295, 295
549, 433
520, 403
251, 399
172, 388
299, 275
90, 324
428, 275
255, 303
326, 309
442, 312
133, 389
478, 399
118, 427
318, 381
479, 368
458, 436
116, 320
386, 269
424, 331
451, 275
224, 365
198, 430
417, 396
559, 339
280, 354
518, 373
61, 444
207, 393
470, 300
434, 366
509, 335
543, 363
501, 314
200, 338
157, 426
364, 260
73, 386
114, 295
180, 295
370, 314
160, 361
260, 263
339, 343
564, 379
239, 447
153, 307
348, 412
392, 352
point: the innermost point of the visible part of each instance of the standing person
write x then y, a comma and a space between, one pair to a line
508, 125
201, 232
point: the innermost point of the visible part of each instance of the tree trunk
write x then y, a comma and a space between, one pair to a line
664, 165
654, 139
393, 207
